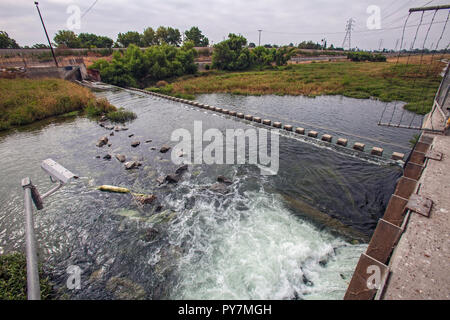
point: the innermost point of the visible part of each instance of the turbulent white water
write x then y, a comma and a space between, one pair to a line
252, 247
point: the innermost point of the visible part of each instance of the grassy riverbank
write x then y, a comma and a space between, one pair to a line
13, 278
23, 101
387, 81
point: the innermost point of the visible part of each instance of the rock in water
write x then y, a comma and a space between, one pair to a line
131, 135
172, 178
145, 199
160, 180
112, 133
164, 149
132, 165
121, 157
135, 144
225, 180
181, 169
107, 157
102, 141
125, 289
219, 187
148, 141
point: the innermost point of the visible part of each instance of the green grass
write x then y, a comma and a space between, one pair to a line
24, 101
121, 116
416, 85
13, 278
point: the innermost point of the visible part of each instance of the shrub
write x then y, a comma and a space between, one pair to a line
161, 83
121, 116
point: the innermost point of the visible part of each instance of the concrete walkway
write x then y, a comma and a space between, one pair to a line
420, 264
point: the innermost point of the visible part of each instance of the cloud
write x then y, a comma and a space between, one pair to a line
282, 21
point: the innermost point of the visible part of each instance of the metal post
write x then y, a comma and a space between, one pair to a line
34, 290
46, 34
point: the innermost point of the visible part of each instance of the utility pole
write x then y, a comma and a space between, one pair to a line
348, 33
259, 42
46, 34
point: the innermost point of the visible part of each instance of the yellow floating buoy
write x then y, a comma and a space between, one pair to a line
113, 189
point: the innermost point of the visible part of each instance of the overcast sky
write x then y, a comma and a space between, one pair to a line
282, 21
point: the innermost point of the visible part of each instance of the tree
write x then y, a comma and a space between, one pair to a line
168, 35
149, 37
128, 38
136, 66
40, 46
231, 54
90, 40
195, 35
67, 39
251, 45
162, 35
6, 42
173, 37
283, 55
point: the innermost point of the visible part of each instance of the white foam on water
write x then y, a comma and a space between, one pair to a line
264, 252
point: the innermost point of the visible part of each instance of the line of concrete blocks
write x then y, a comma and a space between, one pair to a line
376, 151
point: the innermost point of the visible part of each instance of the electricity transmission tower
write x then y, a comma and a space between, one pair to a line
348, 33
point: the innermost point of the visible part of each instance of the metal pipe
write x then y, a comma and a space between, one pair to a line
430, 8
46, 34
34, 290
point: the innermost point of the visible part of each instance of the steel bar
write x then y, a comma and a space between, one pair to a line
430, 8
33, 286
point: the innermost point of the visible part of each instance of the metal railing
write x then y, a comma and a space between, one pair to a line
57, 174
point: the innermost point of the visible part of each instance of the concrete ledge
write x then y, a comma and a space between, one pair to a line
267, 122
342, 142
422, 147
377, 151
257, 119
277, 124
383, 241
218, 109
359, 146
413, 171
395, 211
225, 111
417, 157
300, 130
313, 134
357, 289
288, 127
240, 115
232, 113
405, 187
248, 117
327, 138
398, 156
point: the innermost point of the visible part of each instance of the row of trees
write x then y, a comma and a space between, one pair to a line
150, 37
234, 54
137, 67
69, 39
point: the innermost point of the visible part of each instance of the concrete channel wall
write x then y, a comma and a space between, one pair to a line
376, 152
373, 265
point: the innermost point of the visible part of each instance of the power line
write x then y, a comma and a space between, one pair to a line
89, 9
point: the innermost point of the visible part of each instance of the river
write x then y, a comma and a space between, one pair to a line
295, 235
